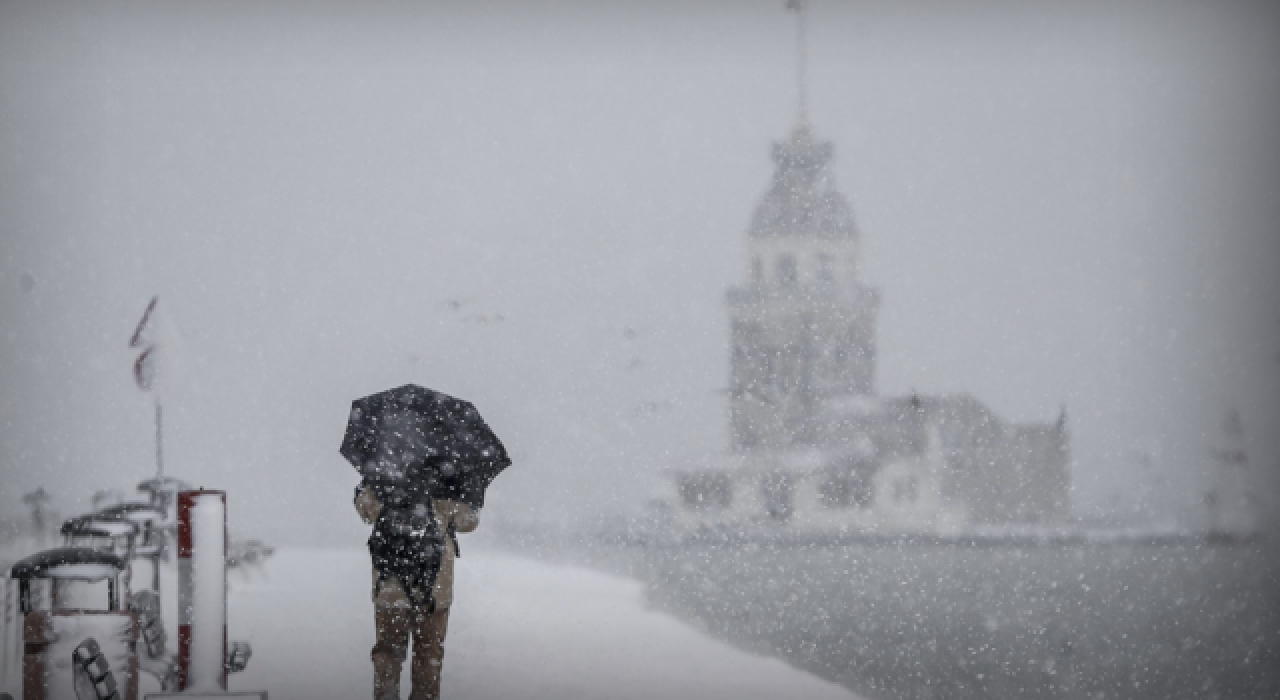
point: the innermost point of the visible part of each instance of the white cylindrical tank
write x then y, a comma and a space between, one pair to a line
202, 591
10, 638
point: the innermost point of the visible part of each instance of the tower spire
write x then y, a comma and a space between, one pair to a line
800, 7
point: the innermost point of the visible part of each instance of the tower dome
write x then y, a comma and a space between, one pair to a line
803, 200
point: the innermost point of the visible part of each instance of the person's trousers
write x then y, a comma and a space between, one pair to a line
396, 624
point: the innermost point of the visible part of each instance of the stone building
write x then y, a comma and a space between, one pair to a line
811, 443
803, 325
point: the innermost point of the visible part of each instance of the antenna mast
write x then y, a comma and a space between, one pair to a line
800, 7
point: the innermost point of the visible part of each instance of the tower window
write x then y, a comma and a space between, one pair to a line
706, 491
788, 276
826, 273
778, 492
907, 489
844, 490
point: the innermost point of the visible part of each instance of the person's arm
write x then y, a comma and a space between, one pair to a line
466, 518
367, 505
463, 516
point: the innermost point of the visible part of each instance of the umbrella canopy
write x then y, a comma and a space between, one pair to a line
426, 439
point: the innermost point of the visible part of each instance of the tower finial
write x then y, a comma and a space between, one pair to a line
800, 7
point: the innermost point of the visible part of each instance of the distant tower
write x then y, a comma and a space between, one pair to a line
802, 326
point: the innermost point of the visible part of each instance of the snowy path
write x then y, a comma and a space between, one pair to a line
519, 629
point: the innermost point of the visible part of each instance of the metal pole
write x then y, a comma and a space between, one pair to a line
801, 50
159, 440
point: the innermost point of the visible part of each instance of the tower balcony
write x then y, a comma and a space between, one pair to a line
843, 298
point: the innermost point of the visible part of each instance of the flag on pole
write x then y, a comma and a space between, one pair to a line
146, 368
144, 338
144, 334
154, 341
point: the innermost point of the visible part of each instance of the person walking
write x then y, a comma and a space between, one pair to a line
401, 616
425, 461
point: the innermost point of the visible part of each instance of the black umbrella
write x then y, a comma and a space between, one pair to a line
412, 439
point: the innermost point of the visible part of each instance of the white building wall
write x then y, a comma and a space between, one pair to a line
814, 514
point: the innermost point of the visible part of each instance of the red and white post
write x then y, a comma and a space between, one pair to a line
202, 591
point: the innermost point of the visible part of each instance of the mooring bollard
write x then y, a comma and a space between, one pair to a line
202, 591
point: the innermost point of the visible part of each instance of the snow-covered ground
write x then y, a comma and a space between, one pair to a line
519, 629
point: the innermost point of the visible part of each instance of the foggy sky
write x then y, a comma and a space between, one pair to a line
1060, 206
